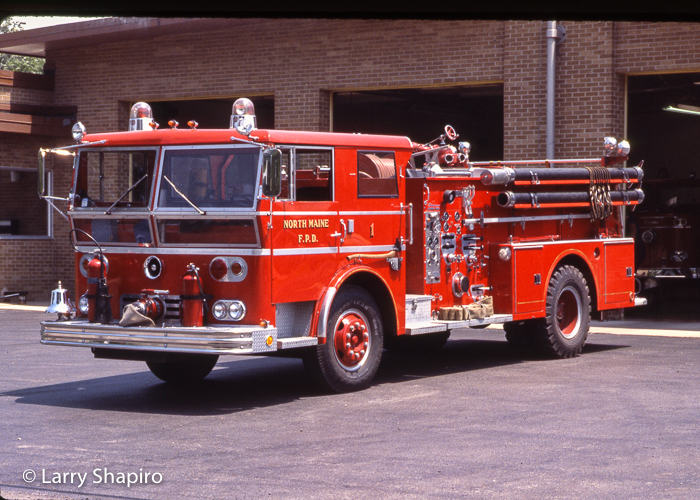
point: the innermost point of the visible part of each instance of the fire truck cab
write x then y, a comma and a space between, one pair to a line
193, 243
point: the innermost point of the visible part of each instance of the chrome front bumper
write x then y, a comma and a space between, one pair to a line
204, 340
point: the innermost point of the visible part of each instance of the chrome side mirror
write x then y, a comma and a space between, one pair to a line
272, 173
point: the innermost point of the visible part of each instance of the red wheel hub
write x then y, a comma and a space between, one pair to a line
568, 314
352, 339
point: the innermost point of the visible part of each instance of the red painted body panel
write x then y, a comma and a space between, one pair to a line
308, 247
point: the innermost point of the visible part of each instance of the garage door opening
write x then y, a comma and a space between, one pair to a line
211, 113
475, 111
666, 139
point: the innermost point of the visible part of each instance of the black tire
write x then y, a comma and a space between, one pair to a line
334, 365
564, 331
183, 368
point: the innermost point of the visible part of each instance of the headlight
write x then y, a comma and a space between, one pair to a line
83, 304
229, 310
236, 310
648, 236
219, 310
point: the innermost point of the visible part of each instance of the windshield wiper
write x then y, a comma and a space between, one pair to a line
109, 210
201, 212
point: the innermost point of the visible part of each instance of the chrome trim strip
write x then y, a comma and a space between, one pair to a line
116, 214
365, 249
305, 251
305, 213
213, 251
525, 218
187, 213
325, 312
375, 212
527, 247
617, 241
568, 242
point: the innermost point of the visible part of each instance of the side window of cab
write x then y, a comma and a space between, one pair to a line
376, 175
307, 174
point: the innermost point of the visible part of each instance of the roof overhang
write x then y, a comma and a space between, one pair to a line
37, 42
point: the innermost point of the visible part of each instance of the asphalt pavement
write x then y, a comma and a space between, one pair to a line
471, 420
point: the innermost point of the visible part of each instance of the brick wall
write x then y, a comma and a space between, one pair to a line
301, 62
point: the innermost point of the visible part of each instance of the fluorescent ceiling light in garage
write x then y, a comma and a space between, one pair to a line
684, 108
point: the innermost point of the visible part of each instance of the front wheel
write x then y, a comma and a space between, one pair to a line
565, 327
183, 368
350, 357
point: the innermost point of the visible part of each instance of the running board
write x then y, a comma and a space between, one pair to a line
436, 326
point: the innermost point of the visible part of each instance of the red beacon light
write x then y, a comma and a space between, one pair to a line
243, 116
141, 117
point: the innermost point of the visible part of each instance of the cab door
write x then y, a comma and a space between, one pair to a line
372, 218
304, 236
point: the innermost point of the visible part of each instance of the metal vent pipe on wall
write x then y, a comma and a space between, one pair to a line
556, 34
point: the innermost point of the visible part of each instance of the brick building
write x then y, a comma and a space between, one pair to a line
407, 77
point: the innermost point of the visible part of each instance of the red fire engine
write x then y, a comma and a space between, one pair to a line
195, 243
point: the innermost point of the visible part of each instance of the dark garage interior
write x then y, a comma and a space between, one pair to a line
211, 113
667, 141
475, 111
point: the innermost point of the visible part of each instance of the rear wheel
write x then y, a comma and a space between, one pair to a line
565, 327
183, 368
350, 357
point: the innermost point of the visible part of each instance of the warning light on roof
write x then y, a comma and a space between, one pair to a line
141, 117
243, 116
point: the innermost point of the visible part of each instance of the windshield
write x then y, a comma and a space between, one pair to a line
104, 176
209, 178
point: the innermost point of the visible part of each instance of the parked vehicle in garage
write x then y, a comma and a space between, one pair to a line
667, 237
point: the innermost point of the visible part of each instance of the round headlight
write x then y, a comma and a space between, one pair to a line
236, 310
504, 253
219, 310
78, 131
83, 304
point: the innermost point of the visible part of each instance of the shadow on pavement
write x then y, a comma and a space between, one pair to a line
248, 383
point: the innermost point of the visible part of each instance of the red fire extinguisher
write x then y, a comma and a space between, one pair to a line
192, 310
99, 307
